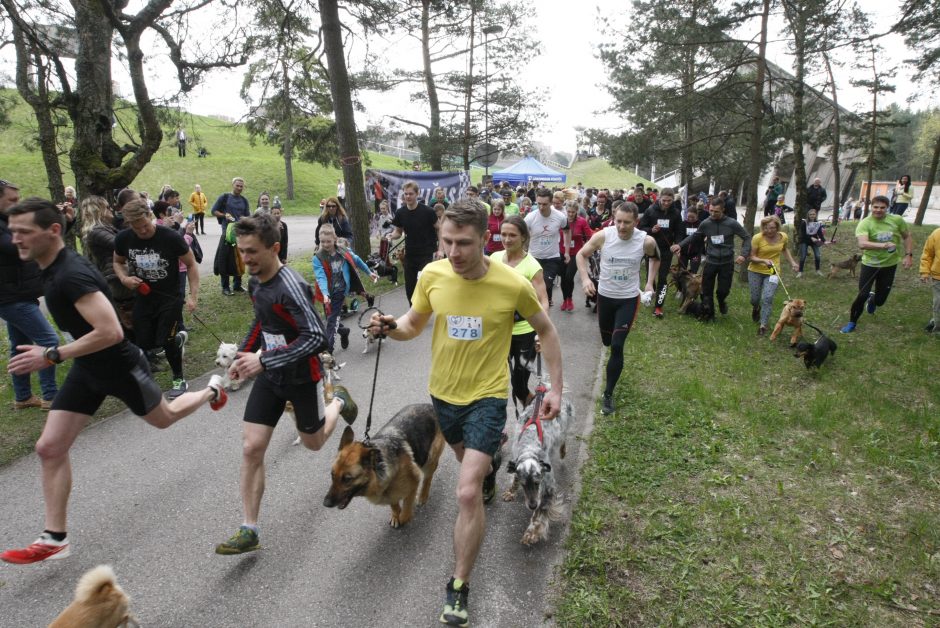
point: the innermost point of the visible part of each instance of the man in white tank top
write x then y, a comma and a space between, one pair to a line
622, 248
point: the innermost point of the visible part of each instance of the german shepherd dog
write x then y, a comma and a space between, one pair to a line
531, 466
688, 284
388, 469
99, 602
847, 264
815, 354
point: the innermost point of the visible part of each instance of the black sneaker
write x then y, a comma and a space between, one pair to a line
455, 605
489, 482
723, 307
239, 289
755, 313
370, 299
931, 327
608, 406
343, 337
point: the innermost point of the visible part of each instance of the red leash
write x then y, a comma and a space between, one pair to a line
540, 390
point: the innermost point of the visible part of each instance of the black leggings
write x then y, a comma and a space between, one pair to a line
200, 220
521, 356
882, 280
615, 317
662, 280
568, 273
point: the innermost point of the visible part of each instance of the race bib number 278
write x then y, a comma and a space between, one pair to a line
465, 327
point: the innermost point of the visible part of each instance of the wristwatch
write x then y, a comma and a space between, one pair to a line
52, 355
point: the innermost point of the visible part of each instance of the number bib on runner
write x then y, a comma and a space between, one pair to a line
618, 274
718, 239
465, 327
274, 341
663, 223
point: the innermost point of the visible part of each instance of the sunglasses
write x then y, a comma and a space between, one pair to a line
332, 206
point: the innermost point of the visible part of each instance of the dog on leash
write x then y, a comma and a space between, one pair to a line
847, 264
225, 357
531, 466
99, 603
388, 468
815, 354
792, 315
688, 284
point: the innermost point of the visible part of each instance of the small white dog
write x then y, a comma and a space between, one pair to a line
224, 358
531, 464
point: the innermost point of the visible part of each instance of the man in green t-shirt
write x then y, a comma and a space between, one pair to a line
879, 237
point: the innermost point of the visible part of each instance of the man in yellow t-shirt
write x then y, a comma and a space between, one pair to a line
475, 302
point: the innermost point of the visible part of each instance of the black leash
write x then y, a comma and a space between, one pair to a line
375, 374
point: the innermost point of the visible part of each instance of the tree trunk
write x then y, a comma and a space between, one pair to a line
874, 133
433, 156
288, 146
468, 97
798, 137
345, 126
931, 177
836, 145
39, 102
751, 200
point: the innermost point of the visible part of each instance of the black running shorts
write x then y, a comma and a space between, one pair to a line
84, 389
266, 404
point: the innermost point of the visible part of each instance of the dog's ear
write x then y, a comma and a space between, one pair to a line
546, 468
511, 466
347, 438
372, 458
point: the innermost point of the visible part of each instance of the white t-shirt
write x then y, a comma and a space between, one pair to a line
620, 264
544, 233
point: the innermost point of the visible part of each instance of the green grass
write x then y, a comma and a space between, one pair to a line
599, 173
734, 487
231, 155
228, 318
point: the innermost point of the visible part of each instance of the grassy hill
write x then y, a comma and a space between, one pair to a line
598, 173
231, 155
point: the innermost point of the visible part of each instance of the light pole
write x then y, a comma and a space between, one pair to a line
487, 31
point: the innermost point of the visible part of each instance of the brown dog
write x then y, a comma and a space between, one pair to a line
848, 264
99, 602
689, 285
792, 314
387, 469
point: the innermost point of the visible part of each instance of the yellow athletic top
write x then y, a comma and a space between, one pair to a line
765, 250
472, 329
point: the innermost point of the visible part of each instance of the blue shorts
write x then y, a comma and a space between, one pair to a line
478, 426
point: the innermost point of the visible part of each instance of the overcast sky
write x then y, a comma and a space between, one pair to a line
568, 32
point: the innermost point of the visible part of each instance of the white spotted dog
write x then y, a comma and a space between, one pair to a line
531, 464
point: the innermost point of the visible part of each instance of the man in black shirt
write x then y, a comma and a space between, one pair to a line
663, 221
149, 255
289, 333
229, 208
105, 364
419, 223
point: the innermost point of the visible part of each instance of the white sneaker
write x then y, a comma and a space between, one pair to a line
798, 275
819, 272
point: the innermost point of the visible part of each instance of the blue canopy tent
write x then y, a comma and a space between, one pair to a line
528, 169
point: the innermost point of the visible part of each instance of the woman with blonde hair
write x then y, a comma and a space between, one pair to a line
762, 272
334, 214
98, 232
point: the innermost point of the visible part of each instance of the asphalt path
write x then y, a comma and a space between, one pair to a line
154, 503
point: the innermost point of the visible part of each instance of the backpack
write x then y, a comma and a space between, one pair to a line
196, 248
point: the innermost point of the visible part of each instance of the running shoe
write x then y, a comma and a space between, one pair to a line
244, 540
44, 548
455, 605
239, 289
870, 306
179, 387
848, 328
216, 383
350, 409
723, 307
658, 312
489, 482
343, 337
32, 402
608, 405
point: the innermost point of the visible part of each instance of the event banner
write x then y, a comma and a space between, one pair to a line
455, 184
